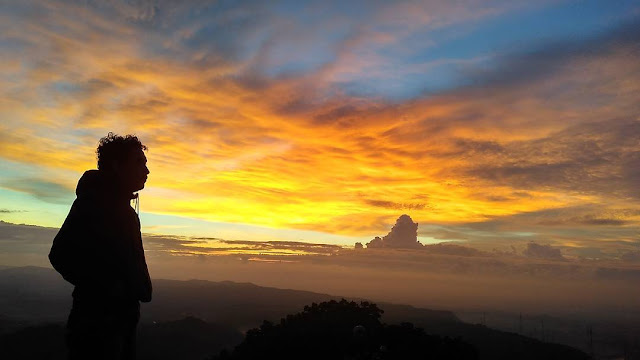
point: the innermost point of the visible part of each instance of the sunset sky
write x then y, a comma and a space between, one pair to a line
491, 123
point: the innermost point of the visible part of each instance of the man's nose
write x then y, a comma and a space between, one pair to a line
146, 169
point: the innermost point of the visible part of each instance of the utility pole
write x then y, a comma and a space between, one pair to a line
520, 325
590, 340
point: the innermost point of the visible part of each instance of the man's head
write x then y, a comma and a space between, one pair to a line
124, 157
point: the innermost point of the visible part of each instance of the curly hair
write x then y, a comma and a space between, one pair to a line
116, 147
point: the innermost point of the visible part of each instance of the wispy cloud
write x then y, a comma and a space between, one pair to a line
43, 190
245, 249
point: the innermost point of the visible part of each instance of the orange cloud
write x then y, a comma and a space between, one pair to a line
230, 144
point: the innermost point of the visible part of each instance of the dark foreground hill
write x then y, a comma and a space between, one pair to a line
189, 338
32, 296
344, 330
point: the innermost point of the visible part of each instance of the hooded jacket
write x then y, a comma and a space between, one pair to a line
99, 246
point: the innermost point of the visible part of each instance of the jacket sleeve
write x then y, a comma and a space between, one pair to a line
79, 251
142, 278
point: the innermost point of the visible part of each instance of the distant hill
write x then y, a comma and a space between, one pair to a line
244, 305
36, 294
32, 295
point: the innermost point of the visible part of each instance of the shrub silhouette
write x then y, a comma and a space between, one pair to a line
344, 330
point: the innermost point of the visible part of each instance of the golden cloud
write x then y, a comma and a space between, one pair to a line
234, 145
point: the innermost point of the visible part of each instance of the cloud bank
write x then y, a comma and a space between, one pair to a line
435, 276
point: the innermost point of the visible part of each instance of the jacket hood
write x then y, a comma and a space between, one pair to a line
100, 184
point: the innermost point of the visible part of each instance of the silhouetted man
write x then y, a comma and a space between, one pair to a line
99, 250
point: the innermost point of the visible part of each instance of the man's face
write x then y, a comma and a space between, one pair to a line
133, 171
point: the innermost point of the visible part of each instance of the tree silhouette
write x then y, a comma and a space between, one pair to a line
344, 330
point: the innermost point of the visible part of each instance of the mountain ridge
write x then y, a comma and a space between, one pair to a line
31, 295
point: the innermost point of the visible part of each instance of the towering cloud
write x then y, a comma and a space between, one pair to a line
403, 235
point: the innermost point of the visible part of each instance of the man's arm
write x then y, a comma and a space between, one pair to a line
82, 252
65, 252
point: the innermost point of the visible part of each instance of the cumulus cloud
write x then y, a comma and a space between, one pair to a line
375, 243
403, 235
